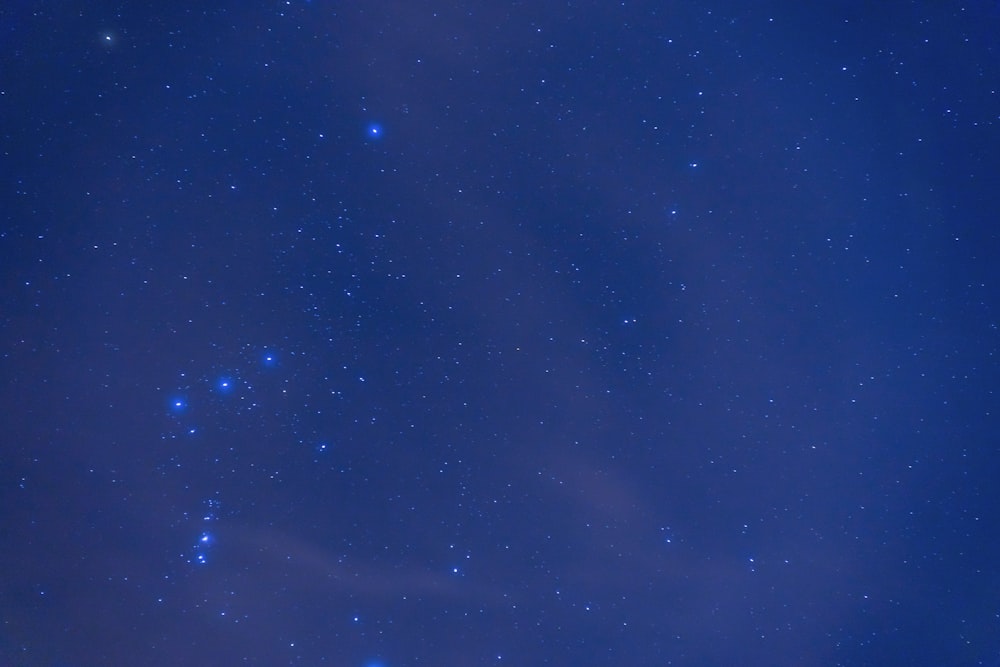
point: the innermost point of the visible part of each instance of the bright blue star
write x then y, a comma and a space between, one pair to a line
224, 384
178, 404
269, 359
374, 131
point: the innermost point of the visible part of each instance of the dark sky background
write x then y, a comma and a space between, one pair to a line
399, 333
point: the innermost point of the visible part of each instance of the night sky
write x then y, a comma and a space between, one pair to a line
463, 334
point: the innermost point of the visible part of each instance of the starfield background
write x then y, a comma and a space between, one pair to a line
400, 333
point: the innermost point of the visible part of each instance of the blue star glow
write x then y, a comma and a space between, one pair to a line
200, 552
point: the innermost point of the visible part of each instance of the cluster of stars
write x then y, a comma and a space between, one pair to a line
179, 402
181, 408
201, 548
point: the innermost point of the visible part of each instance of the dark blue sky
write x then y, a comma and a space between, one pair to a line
415, 333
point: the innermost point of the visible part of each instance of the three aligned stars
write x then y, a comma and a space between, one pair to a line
179, 405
